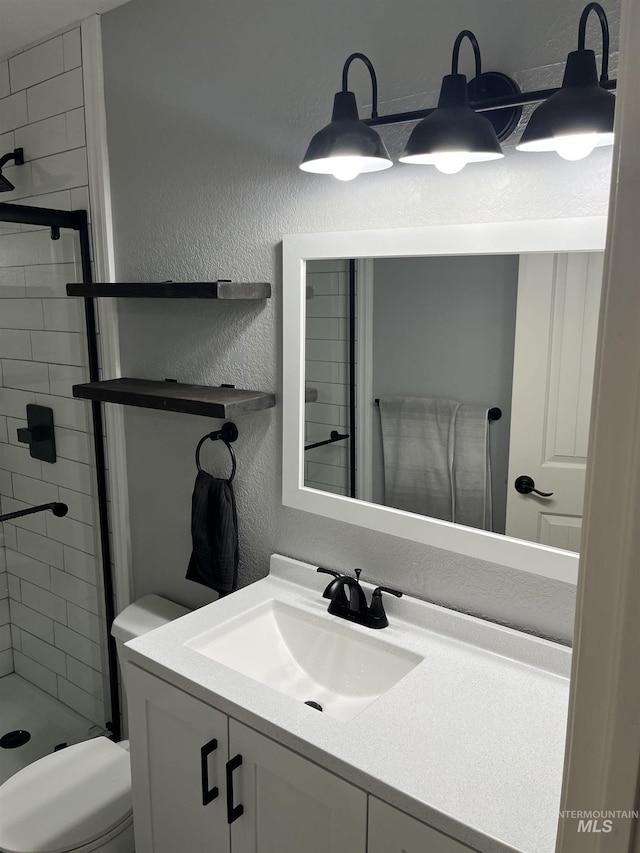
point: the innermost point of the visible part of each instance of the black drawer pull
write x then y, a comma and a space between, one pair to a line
208, 794
233, 812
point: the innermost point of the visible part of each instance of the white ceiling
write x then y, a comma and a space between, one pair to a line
23, 22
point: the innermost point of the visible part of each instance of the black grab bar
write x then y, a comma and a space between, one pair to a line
55, 507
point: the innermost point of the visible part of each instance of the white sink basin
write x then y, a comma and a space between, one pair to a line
307, 658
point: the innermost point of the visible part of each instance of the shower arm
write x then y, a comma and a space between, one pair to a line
56, 508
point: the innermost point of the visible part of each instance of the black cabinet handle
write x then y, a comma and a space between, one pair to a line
525, 485
208, 794
233, 812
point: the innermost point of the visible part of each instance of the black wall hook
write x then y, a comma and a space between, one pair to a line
228, 434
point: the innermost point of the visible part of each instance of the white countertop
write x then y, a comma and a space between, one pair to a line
471, 741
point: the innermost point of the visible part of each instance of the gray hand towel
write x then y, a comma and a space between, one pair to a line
214, 530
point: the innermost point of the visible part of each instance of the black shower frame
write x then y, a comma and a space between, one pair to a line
77, 220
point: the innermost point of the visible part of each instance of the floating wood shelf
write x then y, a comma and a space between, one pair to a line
176, 397
175, 290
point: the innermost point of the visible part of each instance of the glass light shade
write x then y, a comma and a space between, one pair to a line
346, 147
454, 134
576, 119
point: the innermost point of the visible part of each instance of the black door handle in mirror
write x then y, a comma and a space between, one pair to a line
208, 794
525, 485
233, 812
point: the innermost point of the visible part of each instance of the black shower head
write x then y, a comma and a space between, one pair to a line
18, 155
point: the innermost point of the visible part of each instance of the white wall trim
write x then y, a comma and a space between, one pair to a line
602, 760
552, 235
104, 270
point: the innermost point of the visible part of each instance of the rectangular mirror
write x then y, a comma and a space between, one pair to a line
426, 369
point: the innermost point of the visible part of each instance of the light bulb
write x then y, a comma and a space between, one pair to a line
450, 162
345, 168
576, 147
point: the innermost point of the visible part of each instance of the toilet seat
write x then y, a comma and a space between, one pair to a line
72, 800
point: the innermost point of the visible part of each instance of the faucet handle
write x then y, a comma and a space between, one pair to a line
376, 611
328, 572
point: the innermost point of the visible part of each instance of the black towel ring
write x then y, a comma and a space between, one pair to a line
227, 434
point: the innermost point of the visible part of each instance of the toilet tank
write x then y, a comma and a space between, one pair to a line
141, 616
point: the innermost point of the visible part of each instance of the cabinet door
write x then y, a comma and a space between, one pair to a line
179, 748
291, 805
393, 831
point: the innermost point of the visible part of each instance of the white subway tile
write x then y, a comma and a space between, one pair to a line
37, 247
26, 375
18, 461
35, 523
13, 403
4, 437
5, 88
43, 138
5, 617
60, 200
59, 347
46, 654
75, 445
70, 413
60, 171
80, 200
40, 548
15, 343
6, 662
33, 491
3, 563
28, 569
72, 475
83, 622
9, 536
15, 593
85, 677
36, 64
72, 49
12, 282
81, 507
34, 672
78, 647
4, 583
81, 565
63, 315
44, 602
5, 638
55, 96
50, 279
72, 533
13, 112
16, 640
76, 136
22, 313
73, 590
81, 702
62, 377
31, 620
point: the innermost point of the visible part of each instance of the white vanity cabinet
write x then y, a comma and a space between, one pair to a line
181, 748
393, 831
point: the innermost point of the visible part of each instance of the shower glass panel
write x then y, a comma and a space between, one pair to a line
53, 659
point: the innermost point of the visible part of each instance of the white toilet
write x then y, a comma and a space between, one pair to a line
78, 800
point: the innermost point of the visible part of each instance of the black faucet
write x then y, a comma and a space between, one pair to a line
355, 607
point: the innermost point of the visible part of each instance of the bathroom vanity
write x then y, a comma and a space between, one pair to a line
441, 733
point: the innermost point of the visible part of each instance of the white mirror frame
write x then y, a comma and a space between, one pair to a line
503, 238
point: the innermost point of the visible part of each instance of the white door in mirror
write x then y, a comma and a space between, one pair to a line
556, 333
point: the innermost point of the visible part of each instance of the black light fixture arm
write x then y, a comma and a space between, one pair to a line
17, 155
372, 73
466, 34
604, 26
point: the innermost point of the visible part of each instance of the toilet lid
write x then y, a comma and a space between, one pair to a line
66, 799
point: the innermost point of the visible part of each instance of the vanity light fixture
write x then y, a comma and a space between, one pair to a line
579, 117
572, 120
454, 134
346, 147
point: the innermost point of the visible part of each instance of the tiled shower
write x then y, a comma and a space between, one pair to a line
51, 632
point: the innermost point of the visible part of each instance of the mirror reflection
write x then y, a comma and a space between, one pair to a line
433, 383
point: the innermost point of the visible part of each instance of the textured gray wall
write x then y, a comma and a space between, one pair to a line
210, 105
